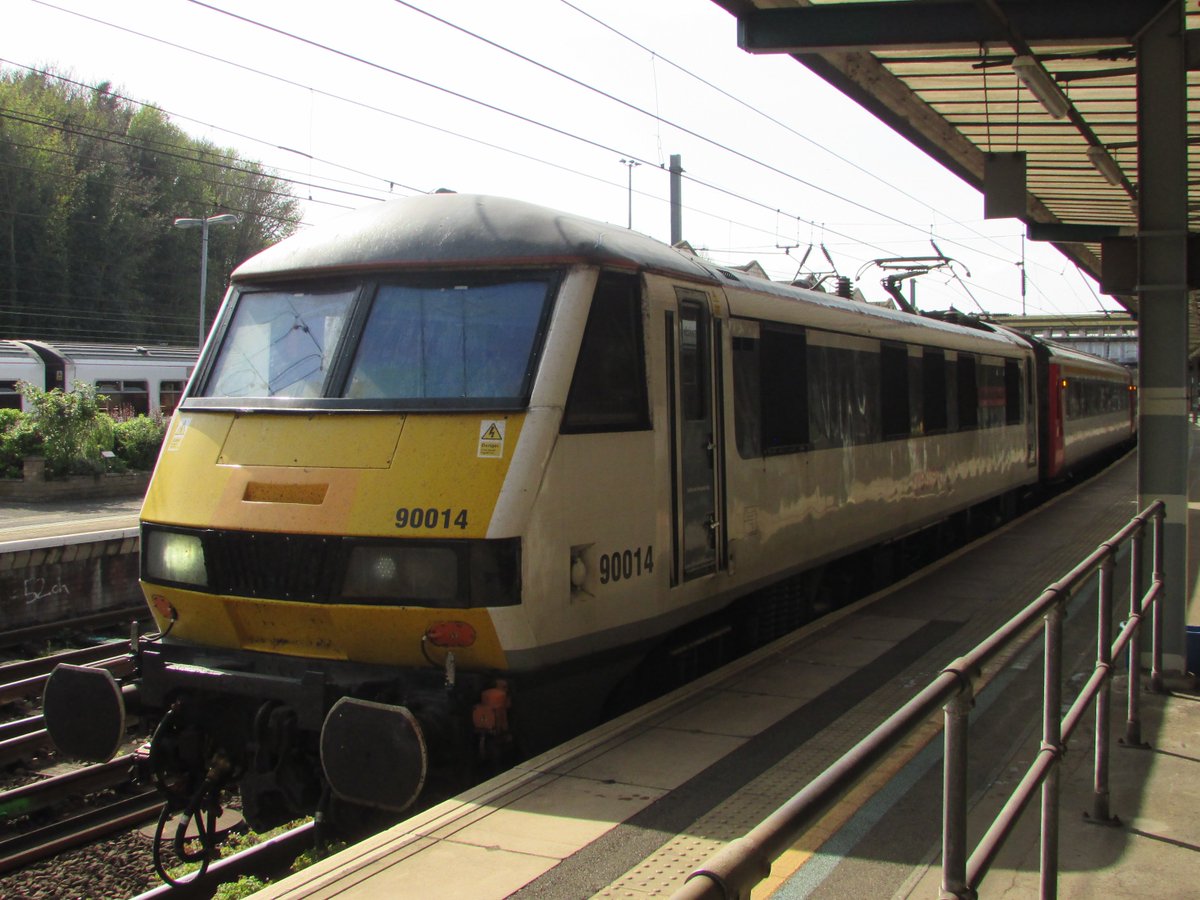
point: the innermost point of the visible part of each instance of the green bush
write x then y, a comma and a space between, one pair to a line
73, 427
17, 441
245, 886
138, 441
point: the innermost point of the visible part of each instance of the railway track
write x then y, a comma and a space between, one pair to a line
132, 808
77, 831
268, 861
90, 623
25, 680
37, 843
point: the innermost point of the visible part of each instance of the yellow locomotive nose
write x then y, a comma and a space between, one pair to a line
301, 548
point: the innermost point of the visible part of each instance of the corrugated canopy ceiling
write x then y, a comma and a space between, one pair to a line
941, 72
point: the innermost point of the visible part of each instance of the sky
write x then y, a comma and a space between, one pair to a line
549, 101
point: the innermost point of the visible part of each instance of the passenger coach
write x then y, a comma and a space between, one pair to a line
134, 379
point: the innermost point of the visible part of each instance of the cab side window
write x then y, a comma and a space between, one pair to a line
608, 389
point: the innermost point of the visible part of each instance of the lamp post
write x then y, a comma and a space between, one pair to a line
630, 163
202, 224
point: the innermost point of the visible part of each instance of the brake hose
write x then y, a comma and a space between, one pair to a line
202, 809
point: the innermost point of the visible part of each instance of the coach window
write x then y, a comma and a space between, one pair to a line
1012, 392
10, 397
169, 393
124, 399
968, 393
608, 390
747, 394
783, 380
993, 403
893, 383
952, 423
844, 391
916, 393
933, 385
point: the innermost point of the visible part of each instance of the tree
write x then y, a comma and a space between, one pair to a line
73, 427
90, 184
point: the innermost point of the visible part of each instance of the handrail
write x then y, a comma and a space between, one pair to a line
737, 867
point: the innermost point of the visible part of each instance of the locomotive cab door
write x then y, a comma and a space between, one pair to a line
696, 464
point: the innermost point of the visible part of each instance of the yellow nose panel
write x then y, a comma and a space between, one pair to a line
292, 628
312, 441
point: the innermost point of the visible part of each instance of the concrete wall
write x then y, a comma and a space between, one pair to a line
49, 580
76, 487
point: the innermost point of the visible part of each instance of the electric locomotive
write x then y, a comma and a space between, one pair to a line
451, 467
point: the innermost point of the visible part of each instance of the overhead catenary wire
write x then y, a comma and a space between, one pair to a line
631, 106
708, 184
316, 44
528, 120
165, 150
217, 152
712, 186
754, 110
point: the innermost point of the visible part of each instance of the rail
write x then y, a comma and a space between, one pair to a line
743, 863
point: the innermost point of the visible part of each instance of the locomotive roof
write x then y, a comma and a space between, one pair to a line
476, 230
479, 230
463, 230
1070, 356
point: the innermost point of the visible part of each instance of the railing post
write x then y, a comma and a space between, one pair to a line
1051, 740
1100, 811
954, 797
1133, 650
1156, 674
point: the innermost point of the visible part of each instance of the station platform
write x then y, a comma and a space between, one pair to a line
66, 518
67, 564
631, 808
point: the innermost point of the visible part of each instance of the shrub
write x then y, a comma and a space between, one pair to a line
17, 441
72, 426
245, 886
138, 441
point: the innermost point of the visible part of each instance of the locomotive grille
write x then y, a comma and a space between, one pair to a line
282, 566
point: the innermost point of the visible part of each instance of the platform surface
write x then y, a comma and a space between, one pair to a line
631, 808
38, 521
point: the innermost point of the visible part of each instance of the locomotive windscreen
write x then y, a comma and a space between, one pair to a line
279, 345
454, 341
447, 342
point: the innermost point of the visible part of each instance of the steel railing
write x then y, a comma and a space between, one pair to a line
741, 864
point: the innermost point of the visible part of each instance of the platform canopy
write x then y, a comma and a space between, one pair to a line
961, 79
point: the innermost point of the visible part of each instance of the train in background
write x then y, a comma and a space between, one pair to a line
136, 379
456, 468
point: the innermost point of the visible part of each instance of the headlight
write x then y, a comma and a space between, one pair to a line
171, 556
420, 575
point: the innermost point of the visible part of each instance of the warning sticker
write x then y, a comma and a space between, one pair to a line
180, 431
491, 438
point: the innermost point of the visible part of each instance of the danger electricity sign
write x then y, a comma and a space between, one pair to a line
491, 438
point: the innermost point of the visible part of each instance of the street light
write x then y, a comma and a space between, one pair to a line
202, 224
630, 163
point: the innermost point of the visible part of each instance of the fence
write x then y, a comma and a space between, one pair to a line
741, 864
